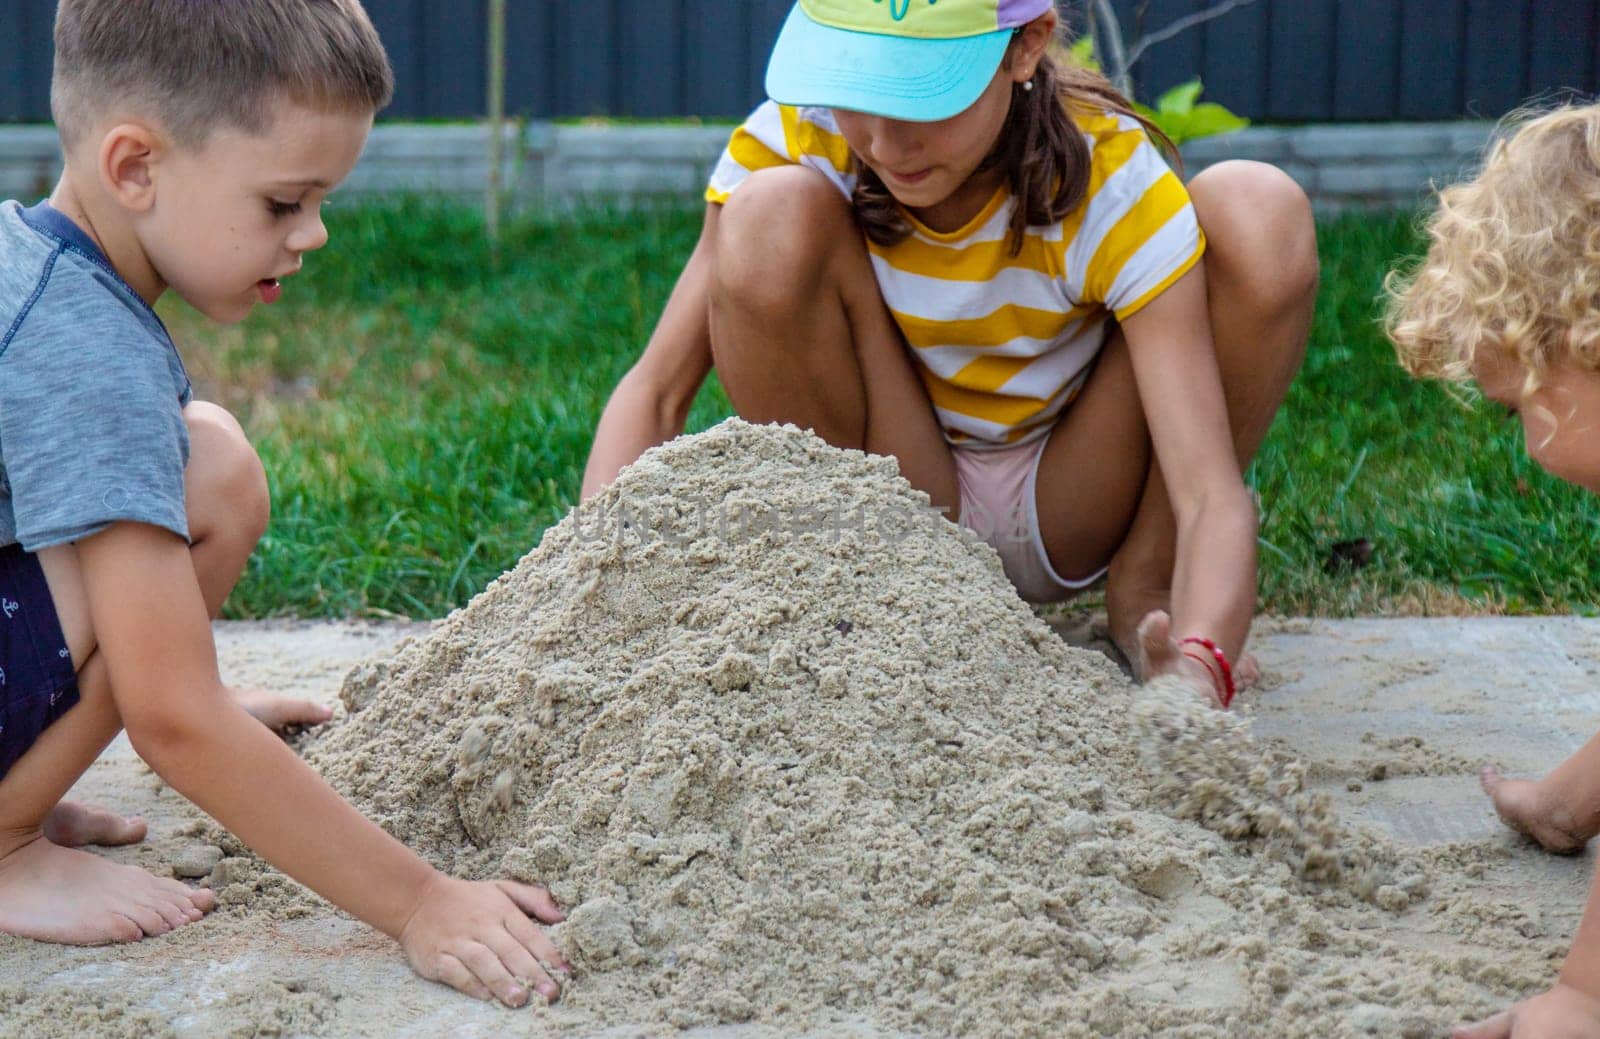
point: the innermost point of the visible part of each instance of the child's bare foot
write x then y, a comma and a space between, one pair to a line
73, 825
280, 712
1246, 672
55, 894
1527, 807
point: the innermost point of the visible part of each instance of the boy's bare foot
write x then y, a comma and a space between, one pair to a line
280, 712
72, 825
1527, 807
55, 894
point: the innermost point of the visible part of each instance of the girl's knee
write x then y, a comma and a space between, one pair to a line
776, 237
225, 483
1252, 193
1258, 228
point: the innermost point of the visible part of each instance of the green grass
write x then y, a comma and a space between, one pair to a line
425, 414
1460, 519
421, 418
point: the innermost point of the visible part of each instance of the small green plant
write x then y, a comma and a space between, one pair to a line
1179, 112
1082, 53
1182, 116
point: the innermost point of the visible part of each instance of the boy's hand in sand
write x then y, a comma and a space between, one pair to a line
1562, 1013
478, 938
279, 713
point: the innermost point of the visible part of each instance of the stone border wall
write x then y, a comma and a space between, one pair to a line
1342, 167
1356, 166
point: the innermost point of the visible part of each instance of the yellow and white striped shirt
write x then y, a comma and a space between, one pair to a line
1004, 343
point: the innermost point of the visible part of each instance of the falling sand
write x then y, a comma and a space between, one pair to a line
793, 753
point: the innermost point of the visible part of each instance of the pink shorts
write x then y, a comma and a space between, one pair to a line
998, 505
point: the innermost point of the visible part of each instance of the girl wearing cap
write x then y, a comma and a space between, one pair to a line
937, 243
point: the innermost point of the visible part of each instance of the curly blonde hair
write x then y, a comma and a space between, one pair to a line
1514, 260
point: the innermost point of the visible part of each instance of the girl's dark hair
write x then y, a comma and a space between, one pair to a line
1041, 147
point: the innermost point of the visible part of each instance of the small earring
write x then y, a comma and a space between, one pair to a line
1027, 84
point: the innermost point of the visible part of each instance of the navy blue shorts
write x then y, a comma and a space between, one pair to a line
37, 682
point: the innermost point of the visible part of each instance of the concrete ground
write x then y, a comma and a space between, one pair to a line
1392, 716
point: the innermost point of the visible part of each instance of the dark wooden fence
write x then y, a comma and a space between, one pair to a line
1273, 60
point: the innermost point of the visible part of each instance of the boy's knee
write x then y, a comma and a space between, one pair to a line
775, 237
225, 480
1258, 224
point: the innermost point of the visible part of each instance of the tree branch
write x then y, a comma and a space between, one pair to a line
1144, 43
1108, 30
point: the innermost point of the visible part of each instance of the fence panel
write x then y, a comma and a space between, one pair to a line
649, 74
1561, 44
530, 76
1172, 61
1273, 60
399, 22
1366, 51
766, 18
25, 49
1430, 58
1239, 84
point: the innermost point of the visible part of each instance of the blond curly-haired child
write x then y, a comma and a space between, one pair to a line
1508, 298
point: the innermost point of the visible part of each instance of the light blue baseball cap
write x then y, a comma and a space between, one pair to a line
918, 60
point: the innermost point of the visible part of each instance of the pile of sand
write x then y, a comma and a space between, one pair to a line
791, 751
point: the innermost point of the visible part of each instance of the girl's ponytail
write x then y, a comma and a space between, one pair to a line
1041, 147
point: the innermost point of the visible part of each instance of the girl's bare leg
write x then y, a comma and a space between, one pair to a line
799, 332
1261, 276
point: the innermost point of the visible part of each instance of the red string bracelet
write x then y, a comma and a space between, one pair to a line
1225, 687
1208, 663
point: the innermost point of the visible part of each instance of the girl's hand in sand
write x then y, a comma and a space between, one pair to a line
1562, 1013
1160, 653
478, 938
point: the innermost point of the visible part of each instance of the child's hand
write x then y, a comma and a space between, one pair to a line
1161, 654
477, 938
279, 713
1562, 1013
1541, 809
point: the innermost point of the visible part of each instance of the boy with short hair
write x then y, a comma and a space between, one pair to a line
200, 141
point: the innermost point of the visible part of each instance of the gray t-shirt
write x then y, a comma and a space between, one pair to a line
92, 391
